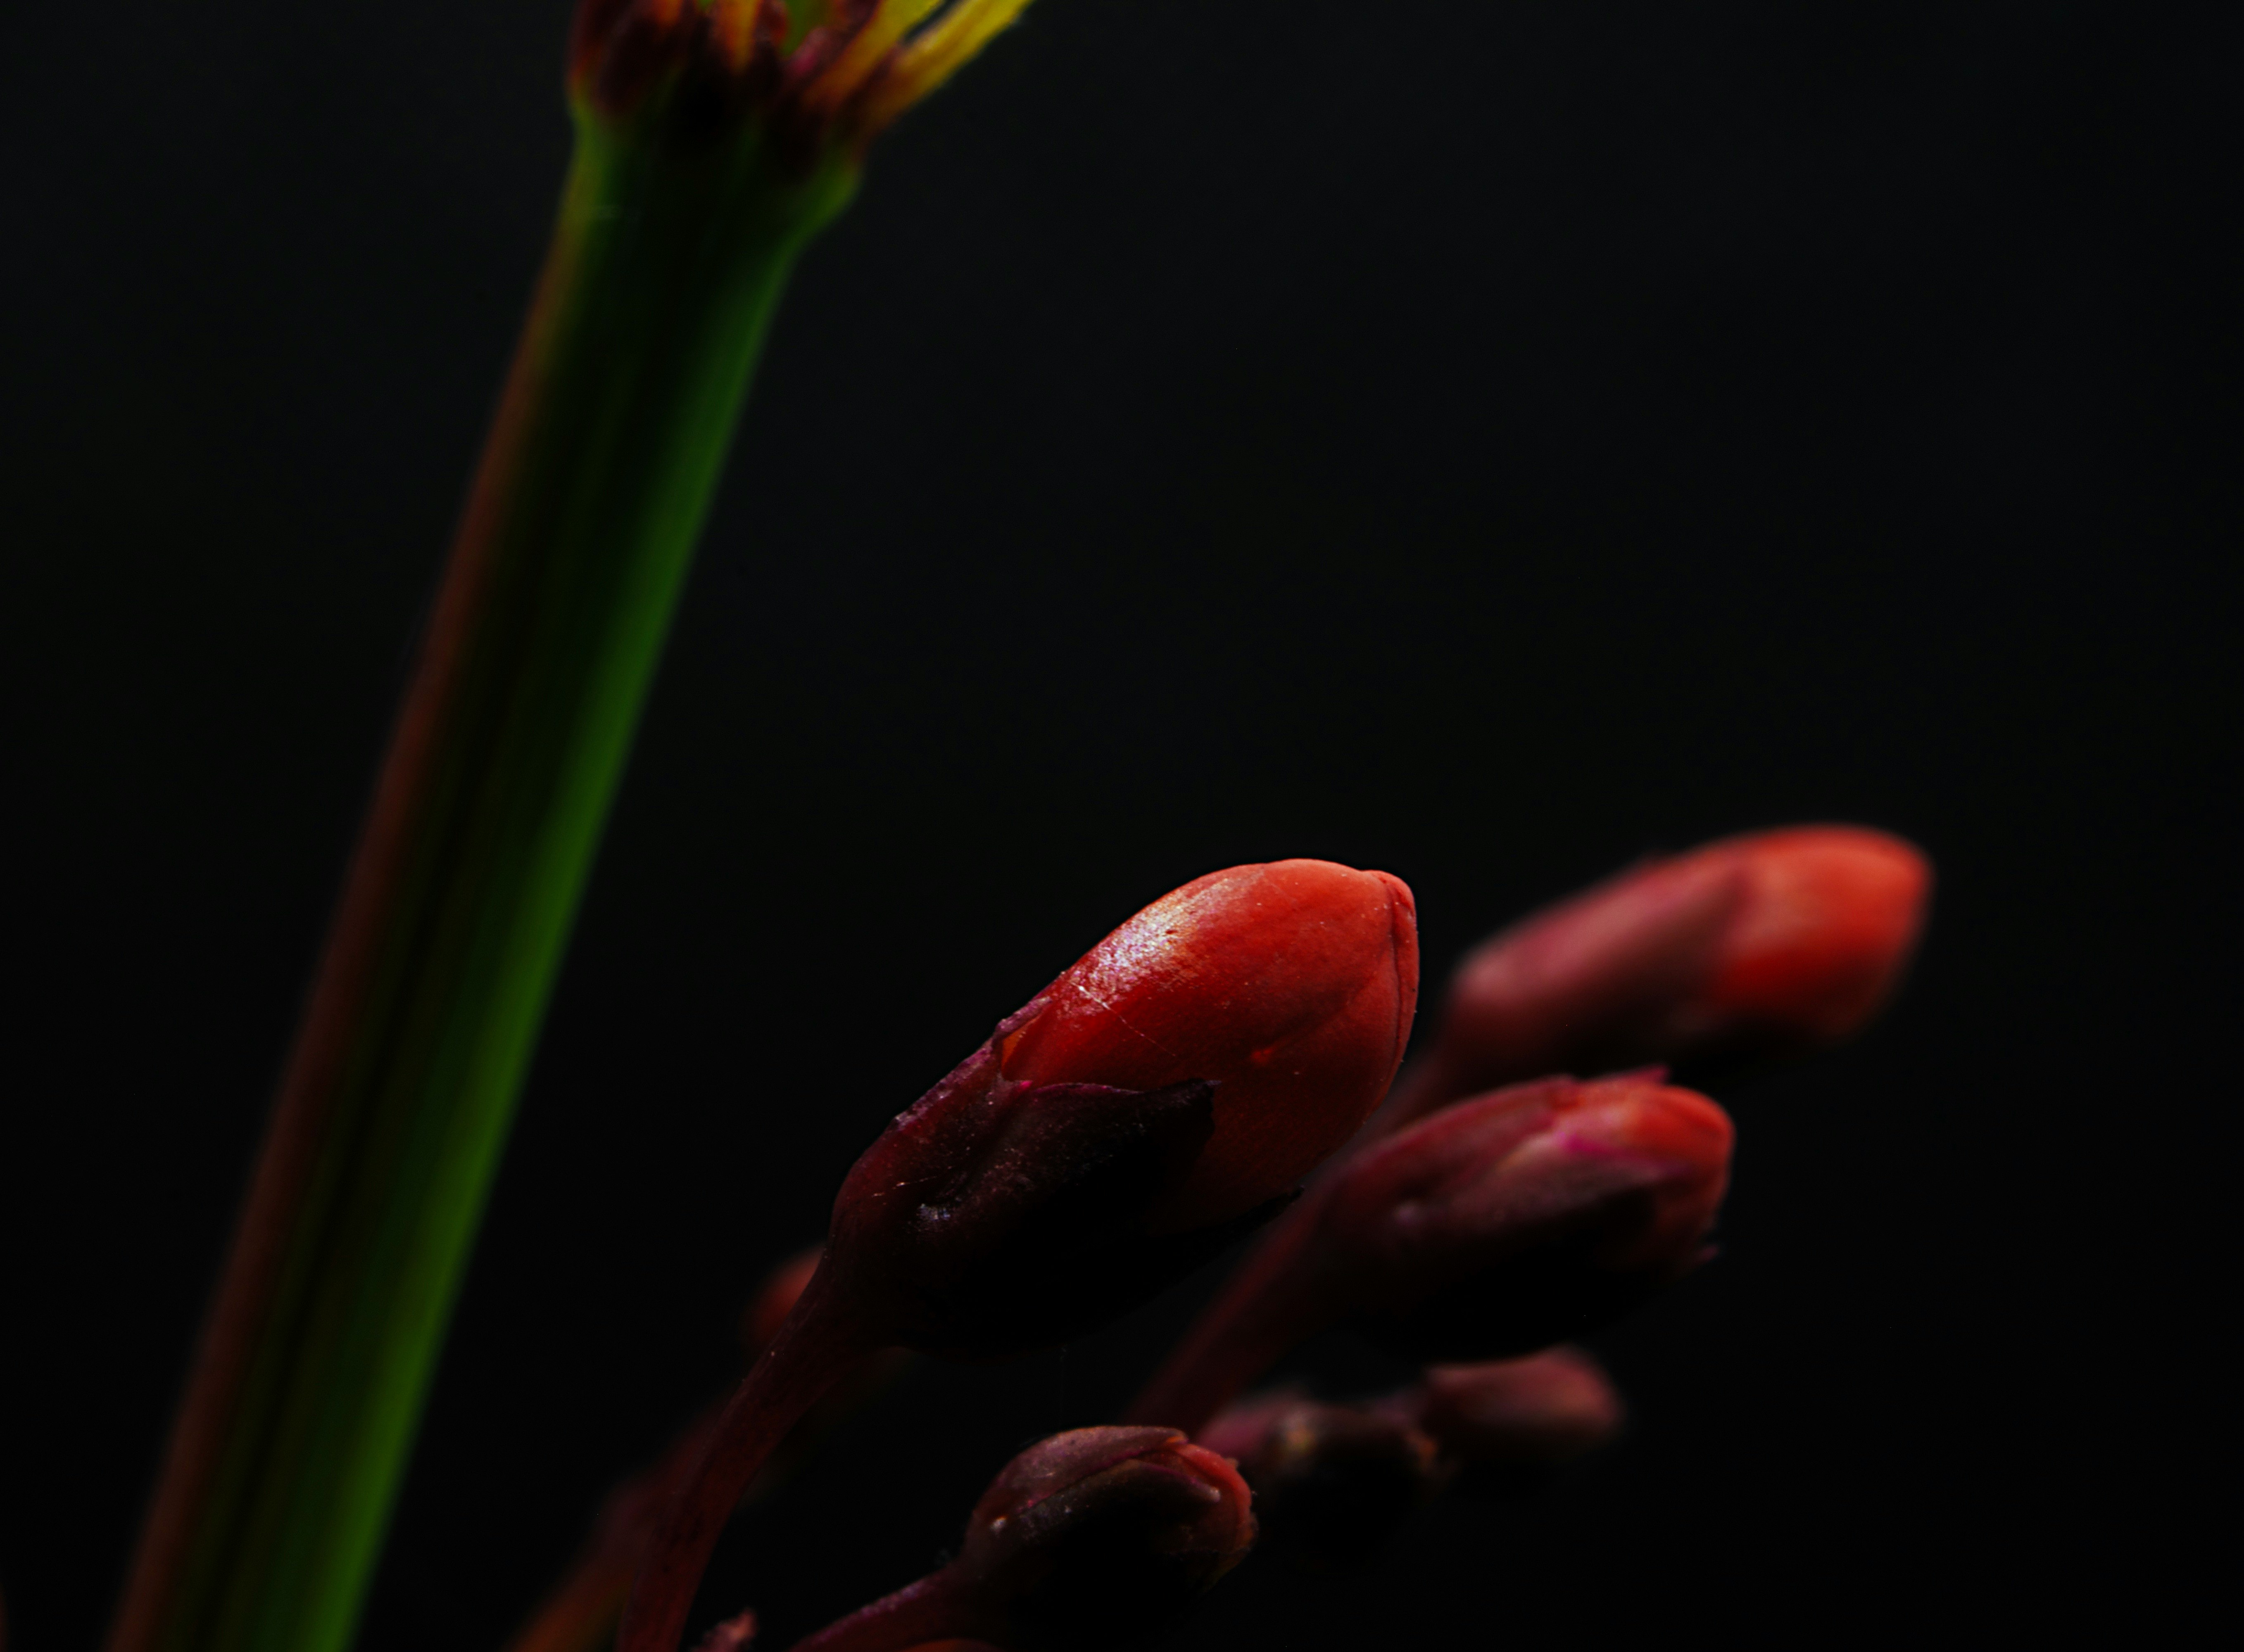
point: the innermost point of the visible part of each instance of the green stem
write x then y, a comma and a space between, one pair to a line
286, 1456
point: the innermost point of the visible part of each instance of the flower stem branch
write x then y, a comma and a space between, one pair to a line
820, 1345
935, 1608
1258, 1317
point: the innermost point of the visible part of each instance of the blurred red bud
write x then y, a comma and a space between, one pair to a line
1506, 1223
1161, 1097
734, 1634
1332, 1483
1752, 946
1545, 1409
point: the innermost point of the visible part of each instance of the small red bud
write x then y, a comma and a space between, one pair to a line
1087, 1539
1754, 945
1332, 1483
1137, 1116
1107, 1522
1547, 1408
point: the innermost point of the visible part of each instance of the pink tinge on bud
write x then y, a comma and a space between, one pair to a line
1506, 1223
1752, 945
1291, 985
1547, 1408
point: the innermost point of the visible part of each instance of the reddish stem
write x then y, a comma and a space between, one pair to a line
1426, 1086
937, 1608
820, 1344
1268, 1307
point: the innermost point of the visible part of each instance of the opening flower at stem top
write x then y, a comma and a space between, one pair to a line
818, 75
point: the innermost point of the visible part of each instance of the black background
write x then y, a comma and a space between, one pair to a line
1483, 442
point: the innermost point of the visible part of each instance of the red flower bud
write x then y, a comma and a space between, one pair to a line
1332, 1483
1290, 985
1752, 945
1543, 1409
1086, 1539
1106, 1524
1506, 1223
1136, 1116
1497, 1227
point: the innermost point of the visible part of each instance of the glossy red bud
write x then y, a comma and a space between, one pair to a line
1332, 1483
1509, 1221
1291, 985
1135, 1117
1545, 1409
1754, 945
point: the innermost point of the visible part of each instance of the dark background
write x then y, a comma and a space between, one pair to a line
1483, 442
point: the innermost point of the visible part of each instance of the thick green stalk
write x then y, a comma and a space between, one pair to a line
287, 1457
